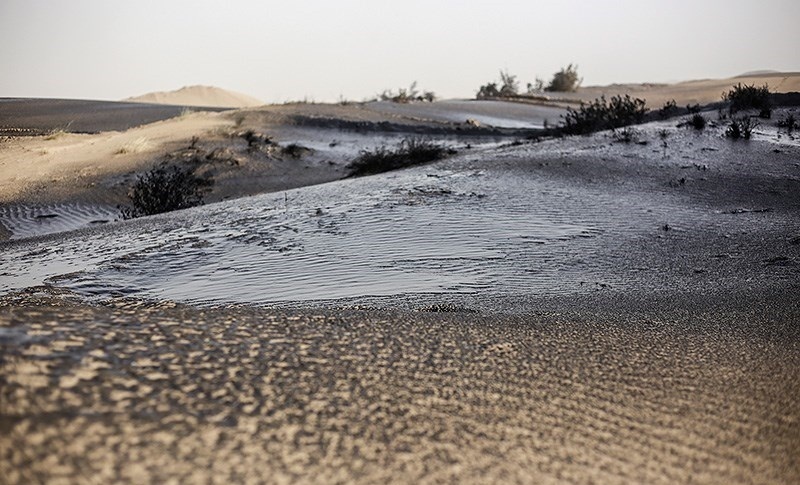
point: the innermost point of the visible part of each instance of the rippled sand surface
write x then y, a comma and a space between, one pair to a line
593, 393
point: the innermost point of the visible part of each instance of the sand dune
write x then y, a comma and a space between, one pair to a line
207, 96
702, 91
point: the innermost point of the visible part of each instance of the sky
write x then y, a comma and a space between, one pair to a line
325, 50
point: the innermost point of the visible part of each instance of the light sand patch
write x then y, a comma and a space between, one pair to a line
70, 162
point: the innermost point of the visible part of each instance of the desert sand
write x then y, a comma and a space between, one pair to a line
576, 310
203, 96
702, 91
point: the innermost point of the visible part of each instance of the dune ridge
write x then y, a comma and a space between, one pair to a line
206, 96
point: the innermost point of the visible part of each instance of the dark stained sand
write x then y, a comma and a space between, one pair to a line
24, 116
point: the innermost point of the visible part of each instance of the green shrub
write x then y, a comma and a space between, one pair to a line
603, 115
165, 188
410, 152
565, 80
744, 97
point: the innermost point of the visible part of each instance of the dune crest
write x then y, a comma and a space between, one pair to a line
207, 96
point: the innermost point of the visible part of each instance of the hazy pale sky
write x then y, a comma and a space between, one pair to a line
321, 49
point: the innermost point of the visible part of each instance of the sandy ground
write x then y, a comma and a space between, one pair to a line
661, 390
688, 92
653, 338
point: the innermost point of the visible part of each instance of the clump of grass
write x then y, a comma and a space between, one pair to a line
697, 121
789, 123
138, 145
409, 95
743, 97
627, 135
410, 152
741, 128
601, 114
165, 188
55, 134
565, 80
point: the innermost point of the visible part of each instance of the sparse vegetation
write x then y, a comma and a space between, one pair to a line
741, 128
138, 145
603, 115
668, 109
165, 188
255, 139
789, 123
626, 135
409, 95
697, 121
693, 108
663, 135
410, 152
565, 80
744, 97
509, 87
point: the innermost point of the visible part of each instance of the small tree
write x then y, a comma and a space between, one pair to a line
510, 85
488, 91
565, 80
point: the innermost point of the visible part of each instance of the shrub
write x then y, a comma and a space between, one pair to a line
697, 121
165, 188
744, 97
741, 128
409, 95
565, 80
410, 152
789, 123
667, 110
603, 115
693, 108
488, 91
509, 87
626, 135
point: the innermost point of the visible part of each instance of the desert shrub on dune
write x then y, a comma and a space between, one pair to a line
601, 114
697, 121
743, 97
668, 109
565, 80
410, 152
409, 95
165, 188
509, 87
741, 128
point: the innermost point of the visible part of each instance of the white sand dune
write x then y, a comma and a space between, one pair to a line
208, 96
